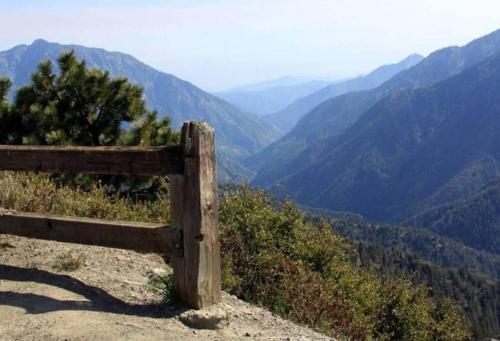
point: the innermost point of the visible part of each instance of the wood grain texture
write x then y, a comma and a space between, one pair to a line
93, 160
176, 216
140, 237
193, 241
200, 285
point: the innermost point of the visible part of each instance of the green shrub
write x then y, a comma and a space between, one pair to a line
275, 257
163, 283
272, 256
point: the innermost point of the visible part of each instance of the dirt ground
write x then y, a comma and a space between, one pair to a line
108, 298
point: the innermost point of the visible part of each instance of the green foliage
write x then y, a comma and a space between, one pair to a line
239, 134
149, 131
449, 268
5, 112
272, 254
475, 292
426, 245
275, 257
164, 283
474, 220
82, 107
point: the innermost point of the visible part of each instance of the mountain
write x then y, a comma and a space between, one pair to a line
475, 294
474, 219
415, 148
427, 245
446, 267
273, 83
286, 118
267, 100
334, 116
238, 134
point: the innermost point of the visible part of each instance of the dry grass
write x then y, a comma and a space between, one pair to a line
70, 261
28, 192
272, 256
4, 243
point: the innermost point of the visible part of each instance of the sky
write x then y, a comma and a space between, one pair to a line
219, 44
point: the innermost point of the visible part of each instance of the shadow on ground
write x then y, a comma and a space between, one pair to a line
98, 299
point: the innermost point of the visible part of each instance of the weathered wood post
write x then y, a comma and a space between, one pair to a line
197, 273
193, 242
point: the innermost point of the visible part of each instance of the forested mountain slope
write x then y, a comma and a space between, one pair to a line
474, 220
238, 134
336, 115
414, 148
426, 245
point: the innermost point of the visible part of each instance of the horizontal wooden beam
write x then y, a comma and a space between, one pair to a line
93, 160
122, 235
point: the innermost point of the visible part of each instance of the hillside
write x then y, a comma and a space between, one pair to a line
270, 99
474, 220
476, 293
238, 134
112, 296
424, 244
272, 255
335, 115
414, 148
449, 268
285, 119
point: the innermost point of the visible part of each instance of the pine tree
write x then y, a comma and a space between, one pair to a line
86, 107
81, 106
5, 112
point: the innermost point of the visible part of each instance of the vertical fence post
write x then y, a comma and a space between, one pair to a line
197, 274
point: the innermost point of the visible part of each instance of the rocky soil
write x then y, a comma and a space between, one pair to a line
110, 297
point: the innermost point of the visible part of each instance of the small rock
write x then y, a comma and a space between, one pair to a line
158, 272
213, 317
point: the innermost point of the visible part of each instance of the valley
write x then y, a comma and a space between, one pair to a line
351, 189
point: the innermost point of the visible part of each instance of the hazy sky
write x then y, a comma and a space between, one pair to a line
217, 44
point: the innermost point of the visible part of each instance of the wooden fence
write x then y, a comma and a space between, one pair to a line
192, 240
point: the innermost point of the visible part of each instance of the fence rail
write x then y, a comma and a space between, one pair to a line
123, 235
93, 160
192, 241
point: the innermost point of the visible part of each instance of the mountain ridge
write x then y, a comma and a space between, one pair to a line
286, 118
410, 147
270, 99
238, 134
333, 116
473, 220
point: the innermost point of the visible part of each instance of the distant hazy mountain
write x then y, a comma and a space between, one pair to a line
474, 220
238, 134
267, 100
273, 83
285, 119
414, 148
334, 116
